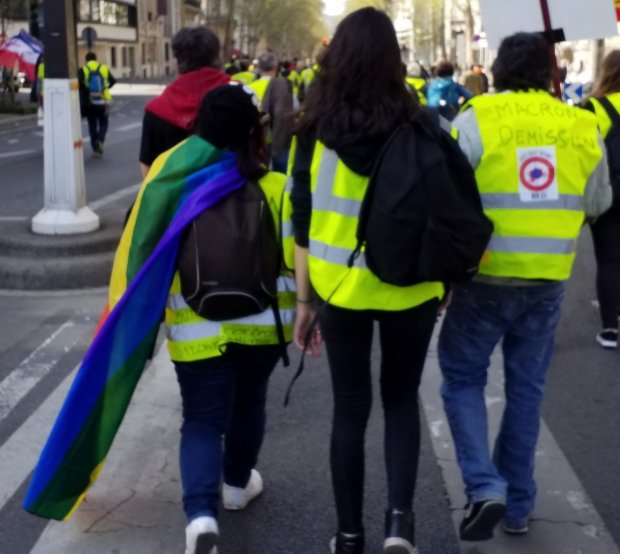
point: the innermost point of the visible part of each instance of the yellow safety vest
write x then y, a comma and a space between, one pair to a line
245, 77
191, 337
295, 79
307, 76
538, 155
418, 84
105, 73
260, 87
337, 194
604, 123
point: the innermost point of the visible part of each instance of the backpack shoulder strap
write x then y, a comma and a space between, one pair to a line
609, 108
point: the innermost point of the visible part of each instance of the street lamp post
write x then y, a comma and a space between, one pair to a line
64, 211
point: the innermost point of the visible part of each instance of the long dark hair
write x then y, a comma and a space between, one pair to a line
608, 80
359, 87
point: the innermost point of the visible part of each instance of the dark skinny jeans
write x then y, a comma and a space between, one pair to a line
606, 237
404, 338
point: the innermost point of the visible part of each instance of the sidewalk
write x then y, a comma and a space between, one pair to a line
135, 505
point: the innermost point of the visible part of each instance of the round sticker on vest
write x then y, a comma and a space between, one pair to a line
537, 174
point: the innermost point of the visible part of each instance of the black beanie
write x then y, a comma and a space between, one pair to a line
228, 115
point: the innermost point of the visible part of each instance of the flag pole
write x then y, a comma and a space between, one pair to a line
555, 72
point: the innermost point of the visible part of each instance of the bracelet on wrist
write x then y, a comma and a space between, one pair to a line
302, 301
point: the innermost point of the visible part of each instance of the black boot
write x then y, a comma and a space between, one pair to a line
347, 543
399, 533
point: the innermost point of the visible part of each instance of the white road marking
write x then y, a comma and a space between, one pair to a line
12, 141
128, 127
17, 153
28, 373
13, 218
110, 198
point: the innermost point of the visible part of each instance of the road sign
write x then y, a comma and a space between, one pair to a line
573, 92
537, 174
578, 19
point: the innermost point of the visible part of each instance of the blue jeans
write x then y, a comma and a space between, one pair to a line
481, 315
223, 396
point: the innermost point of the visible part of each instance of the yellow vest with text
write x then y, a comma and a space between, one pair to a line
105, 73
604, 122
337, 194
191, 337
538, 155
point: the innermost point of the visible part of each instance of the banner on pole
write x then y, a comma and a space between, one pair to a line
579, 20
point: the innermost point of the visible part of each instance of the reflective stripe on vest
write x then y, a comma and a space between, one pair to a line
191, 337
538, 155
337, 193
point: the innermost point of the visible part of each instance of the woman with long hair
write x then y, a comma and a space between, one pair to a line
604, 101
357, 99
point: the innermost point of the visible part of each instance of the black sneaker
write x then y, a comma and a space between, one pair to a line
345, 543
608, 338
481, 519
399, 533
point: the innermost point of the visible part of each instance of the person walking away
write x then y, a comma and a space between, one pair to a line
485, 80
244, 76
537, 190
95, 81
170, 118
223, 367
356, 101
604, 101
473, 82
444, 93
275, 94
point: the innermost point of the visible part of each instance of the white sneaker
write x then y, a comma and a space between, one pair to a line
201, 536
236, 498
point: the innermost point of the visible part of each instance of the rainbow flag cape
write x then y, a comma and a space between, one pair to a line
178, 188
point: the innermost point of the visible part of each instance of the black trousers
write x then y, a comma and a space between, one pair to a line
606, 237
97, 117
404, 337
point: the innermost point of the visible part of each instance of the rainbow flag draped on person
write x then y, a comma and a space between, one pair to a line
181, 184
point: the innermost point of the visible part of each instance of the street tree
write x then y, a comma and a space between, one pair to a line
11, 10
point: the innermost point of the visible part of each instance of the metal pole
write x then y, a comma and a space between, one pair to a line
64, 210
555, 72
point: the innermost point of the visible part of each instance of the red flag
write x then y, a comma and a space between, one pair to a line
618, 10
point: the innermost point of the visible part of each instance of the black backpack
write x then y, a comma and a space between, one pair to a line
229, 259
612, 143
421, 218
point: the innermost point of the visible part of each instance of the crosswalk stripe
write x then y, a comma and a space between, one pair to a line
20, 452
35, 367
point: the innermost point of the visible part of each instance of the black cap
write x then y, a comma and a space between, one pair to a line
228, 115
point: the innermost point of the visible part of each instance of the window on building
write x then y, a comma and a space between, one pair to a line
107, 12
143, 53
124, 56
113, 56
167, 51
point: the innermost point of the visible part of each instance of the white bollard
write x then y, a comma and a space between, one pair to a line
64, 211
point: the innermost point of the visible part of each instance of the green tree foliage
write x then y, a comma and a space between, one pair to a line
12, 10
291, 28
385, 5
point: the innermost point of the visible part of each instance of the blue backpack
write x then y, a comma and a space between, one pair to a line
95, 86
443, 95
